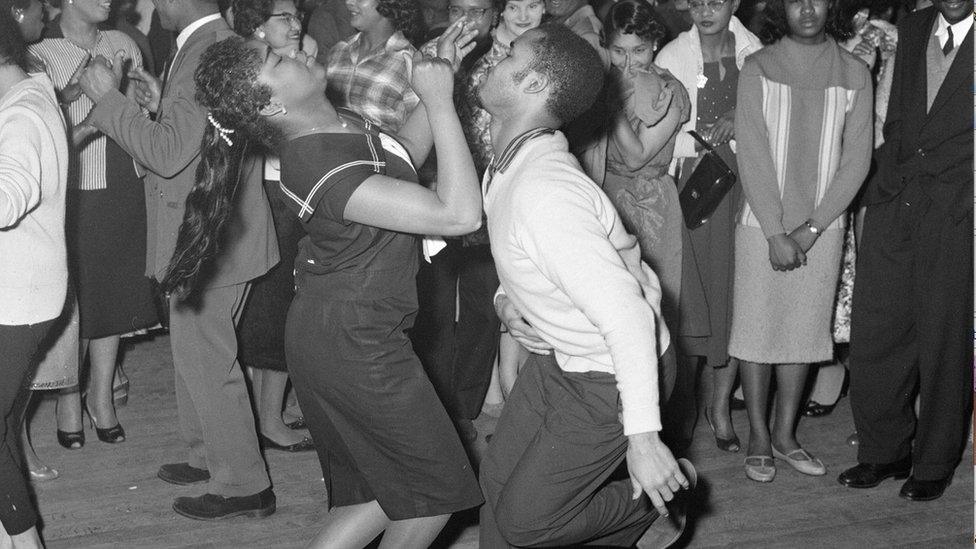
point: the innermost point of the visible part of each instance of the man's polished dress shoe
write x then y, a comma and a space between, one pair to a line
215, 507
923, 490
182, 474
869, 475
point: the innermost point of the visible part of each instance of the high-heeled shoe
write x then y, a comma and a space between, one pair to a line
725, 444
815, 409
72, 440
303, 445
111, 435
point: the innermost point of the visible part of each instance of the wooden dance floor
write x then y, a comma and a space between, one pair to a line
109, 496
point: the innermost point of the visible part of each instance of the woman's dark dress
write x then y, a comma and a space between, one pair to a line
379, 428
707, 261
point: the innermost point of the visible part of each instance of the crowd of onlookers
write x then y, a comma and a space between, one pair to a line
155, 174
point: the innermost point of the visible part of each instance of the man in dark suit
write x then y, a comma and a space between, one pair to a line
215, 415
912, 314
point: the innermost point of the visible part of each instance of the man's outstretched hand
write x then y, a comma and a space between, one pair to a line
653, 470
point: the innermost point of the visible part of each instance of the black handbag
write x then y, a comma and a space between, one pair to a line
707, 186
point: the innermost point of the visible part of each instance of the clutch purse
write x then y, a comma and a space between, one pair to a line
706, 187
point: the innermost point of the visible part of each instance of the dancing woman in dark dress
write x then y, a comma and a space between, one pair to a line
391, 458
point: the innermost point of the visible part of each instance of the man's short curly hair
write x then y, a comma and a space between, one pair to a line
406, 17
775, 26
250, 14
571, 65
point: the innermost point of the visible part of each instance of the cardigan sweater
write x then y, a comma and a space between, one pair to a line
33, 179
676, 56
804, 134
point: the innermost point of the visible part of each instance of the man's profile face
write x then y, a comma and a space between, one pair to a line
500, 88
481, 14
954, 11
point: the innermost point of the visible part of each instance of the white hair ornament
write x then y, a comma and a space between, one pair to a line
222, 131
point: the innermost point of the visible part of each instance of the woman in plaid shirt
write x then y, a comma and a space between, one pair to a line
370, 72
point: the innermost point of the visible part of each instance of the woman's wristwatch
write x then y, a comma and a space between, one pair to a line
811, 227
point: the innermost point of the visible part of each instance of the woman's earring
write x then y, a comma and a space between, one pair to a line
260, 34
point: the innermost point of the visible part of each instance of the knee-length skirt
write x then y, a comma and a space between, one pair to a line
783, 317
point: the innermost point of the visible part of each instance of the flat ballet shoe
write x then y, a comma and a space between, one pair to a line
802, 461
760, 468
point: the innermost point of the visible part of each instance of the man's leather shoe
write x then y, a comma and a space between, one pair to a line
923, 490
869, 475
182, 474
214, 507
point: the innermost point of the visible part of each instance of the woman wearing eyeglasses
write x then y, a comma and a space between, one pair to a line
277, 23
261, 332
369, 73
706, 59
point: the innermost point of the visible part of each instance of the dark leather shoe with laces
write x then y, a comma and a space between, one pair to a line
923, 490
182, 474
869, 475
214, 507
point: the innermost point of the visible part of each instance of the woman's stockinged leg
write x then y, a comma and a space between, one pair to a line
355, 526
269, 401
102, 354
351, 527
790, 379
416, 533
755, 388
723, 381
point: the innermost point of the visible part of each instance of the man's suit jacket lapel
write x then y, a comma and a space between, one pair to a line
959, 74
914, 94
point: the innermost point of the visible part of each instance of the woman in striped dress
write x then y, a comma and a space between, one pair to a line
106, 218
803, 128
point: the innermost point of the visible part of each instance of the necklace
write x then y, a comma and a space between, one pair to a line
93, 39
315, 129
